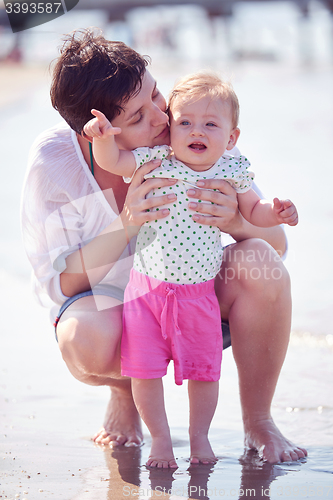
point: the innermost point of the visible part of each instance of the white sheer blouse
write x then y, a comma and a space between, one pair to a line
62, 209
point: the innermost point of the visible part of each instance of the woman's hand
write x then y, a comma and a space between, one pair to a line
223, 213
134, 213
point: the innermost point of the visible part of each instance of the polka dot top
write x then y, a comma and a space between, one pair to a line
177, 249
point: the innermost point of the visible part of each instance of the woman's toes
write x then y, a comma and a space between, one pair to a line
293, 455
302, 453
285, 456
118, 441
105, 440
101, 434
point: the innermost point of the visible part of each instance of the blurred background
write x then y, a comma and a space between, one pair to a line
279, 57
295, 31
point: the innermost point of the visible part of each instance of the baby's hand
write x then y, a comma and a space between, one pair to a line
100, 127
285, 211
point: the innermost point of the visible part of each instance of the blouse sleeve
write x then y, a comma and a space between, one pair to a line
237, 173
54, 202
144, 155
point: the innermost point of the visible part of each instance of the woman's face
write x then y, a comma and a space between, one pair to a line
143, 121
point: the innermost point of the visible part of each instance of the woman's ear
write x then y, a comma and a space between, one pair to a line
85, 136
233, 138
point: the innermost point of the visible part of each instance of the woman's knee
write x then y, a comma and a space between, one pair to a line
90, 342
255, 266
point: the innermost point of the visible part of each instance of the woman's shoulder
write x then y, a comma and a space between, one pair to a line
56, 169
55, 154
53, 141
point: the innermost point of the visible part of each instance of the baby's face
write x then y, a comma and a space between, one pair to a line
200, 131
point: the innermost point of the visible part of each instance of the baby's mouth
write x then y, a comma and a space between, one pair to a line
197, 146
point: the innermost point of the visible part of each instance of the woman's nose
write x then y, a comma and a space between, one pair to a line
160, 116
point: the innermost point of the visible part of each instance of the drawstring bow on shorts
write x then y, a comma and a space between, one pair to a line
170, 307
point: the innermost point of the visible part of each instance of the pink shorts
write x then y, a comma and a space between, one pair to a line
165, 321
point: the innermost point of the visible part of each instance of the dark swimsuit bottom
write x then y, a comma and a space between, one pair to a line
118, 293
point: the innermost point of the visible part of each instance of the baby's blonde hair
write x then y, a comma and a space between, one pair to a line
198, 85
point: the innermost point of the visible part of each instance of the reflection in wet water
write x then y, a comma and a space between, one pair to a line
257, 476
245, 477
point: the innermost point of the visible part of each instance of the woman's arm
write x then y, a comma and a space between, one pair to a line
225, 215
275, 236
87, 266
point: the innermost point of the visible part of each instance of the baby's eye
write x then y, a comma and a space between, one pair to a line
210, 124
184, 122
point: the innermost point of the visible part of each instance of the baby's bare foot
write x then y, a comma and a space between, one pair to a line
161, 463
201, 450
263, 436
161, 454
203, 460
122, 424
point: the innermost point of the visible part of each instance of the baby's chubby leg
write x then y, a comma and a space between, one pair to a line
149, 399
203, 398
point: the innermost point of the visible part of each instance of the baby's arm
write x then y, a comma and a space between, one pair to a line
105, 149
262, 213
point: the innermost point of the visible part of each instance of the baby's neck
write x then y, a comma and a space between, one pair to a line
197, 168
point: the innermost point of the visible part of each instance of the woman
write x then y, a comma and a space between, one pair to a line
76, 242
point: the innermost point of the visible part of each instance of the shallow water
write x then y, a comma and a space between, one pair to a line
47, 418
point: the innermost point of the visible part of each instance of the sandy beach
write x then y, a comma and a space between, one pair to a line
47, 418
18, 81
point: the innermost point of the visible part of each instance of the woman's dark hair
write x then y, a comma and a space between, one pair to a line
92, 72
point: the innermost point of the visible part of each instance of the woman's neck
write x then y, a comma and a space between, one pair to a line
106, 180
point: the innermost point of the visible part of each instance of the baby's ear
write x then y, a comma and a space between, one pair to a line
233, 138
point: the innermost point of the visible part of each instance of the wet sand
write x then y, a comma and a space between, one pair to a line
47, 417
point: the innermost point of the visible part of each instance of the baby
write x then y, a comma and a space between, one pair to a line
170, 307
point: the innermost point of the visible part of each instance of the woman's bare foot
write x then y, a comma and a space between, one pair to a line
161, 454
263, 436
122, 424
201, 450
